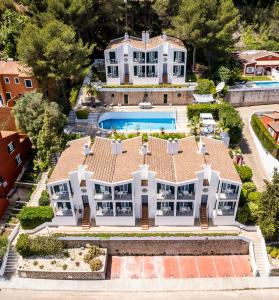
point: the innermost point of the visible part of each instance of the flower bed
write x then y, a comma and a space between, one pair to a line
69, 265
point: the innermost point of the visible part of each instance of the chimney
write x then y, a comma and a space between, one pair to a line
164, 36
175, 146
113, 147
143, 36
146, 36
119, 147
169, 146
86, 150
202, 148
126, 36
207, 172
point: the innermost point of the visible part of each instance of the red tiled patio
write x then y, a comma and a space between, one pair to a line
177, 267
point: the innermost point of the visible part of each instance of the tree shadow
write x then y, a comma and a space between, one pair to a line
244, 146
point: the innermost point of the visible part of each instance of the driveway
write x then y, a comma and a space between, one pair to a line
248, 147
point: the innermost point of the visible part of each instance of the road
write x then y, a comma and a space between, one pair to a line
248, 147
269, 294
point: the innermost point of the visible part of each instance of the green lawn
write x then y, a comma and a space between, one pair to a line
256, 78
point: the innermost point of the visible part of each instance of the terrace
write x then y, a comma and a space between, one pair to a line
104, 209
165, 191
184, 208
186, 191
229, 191
165, 208
123, 192
102, 192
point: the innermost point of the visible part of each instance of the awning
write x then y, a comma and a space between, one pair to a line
203, 98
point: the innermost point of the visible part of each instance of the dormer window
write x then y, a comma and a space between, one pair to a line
7, 80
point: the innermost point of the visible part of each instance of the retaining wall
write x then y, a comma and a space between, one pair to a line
165, 246
248, 97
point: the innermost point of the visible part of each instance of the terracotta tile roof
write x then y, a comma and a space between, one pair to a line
7, 120
152, 43
114, 168
219, 159
183, 166
274, 125
69, 160
252, 55
14, 68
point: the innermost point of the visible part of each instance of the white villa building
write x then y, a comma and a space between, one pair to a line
131, 60
122, 183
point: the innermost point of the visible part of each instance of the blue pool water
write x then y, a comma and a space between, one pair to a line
267, 84
137, 121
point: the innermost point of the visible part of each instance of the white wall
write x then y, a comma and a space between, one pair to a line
268, 161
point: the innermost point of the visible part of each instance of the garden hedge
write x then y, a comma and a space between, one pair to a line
245, 173
3, 246
264, 136
31, 217
197, 109
82, 113
44, 199
39, 245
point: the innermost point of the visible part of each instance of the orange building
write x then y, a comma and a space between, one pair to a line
15, 80
271, 123
14, 149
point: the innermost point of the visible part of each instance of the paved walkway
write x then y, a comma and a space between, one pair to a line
151, 285
248, 147
41, 186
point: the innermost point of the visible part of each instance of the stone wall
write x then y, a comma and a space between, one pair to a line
274, 271
155, 97
100, 275
165, 246
253, 97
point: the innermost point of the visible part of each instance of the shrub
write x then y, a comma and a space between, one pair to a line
93, 252
245, 173
35, 263
31, 217
205, 86
253, 208
41, 267
64, 267
249, 187
95, 264
197, 109
73, 95
243, 214
264, 136
44, 199
254, 197
273, 251
3, 246
82, 113
40, 245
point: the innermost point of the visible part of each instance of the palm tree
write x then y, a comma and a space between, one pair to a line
195, 125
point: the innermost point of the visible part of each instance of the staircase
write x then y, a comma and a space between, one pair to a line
72, 117
93, 118
85, 222
144, 218
126, 79
259, 257
11, 265
203, 217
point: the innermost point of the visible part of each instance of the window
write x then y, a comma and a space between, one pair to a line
126, 99
271, 131
138, 57
165, 208
63, 209
226, 208
144, 182
11, 147
7, 80
139, 71
179, 56
60, 191
165, 98
28, 83
104, 209
229, 191
112, 71
1, 180
112, 57
151, 71
205, 182
178, 71
250, 70
18, 160
16, 79
152, 57
1, 100
184, 208
124, 209
8, 96
186, 191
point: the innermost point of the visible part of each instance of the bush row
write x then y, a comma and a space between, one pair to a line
273, 251
162, 85
39, 245
44, 199
31, 217
165, 136
245, 172
197, 109
3, 246
264, 136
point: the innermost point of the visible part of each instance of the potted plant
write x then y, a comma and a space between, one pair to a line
162, 130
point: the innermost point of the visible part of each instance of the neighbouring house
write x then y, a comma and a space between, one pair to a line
14, 149
15, 80
258, 62
146, 60
123, 183
143, 65
271, 122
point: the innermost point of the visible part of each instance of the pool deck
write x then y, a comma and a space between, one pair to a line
180, 111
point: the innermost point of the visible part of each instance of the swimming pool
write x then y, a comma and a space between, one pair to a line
134, 121
267, 84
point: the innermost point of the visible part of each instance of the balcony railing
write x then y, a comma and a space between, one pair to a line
61, 196
165, 211
179, 61
103, 196
165, 195
139, 60
225, 211
112, 61
185, 195
227, 195
122, 195
112, 75
178, 75
124, 211
152, 61
104, 212
184, 211
152, 75
63, 212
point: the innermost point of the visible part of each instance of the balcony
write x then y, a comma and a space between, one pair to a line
165, 209
61, 196
113, 75
165, 194
152, 75
106, 195
227, 195
186, 192
103, 211
226, 208
139, 60
59, 212
122, 195
112, 61
178, 75
152, 60
124, 209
